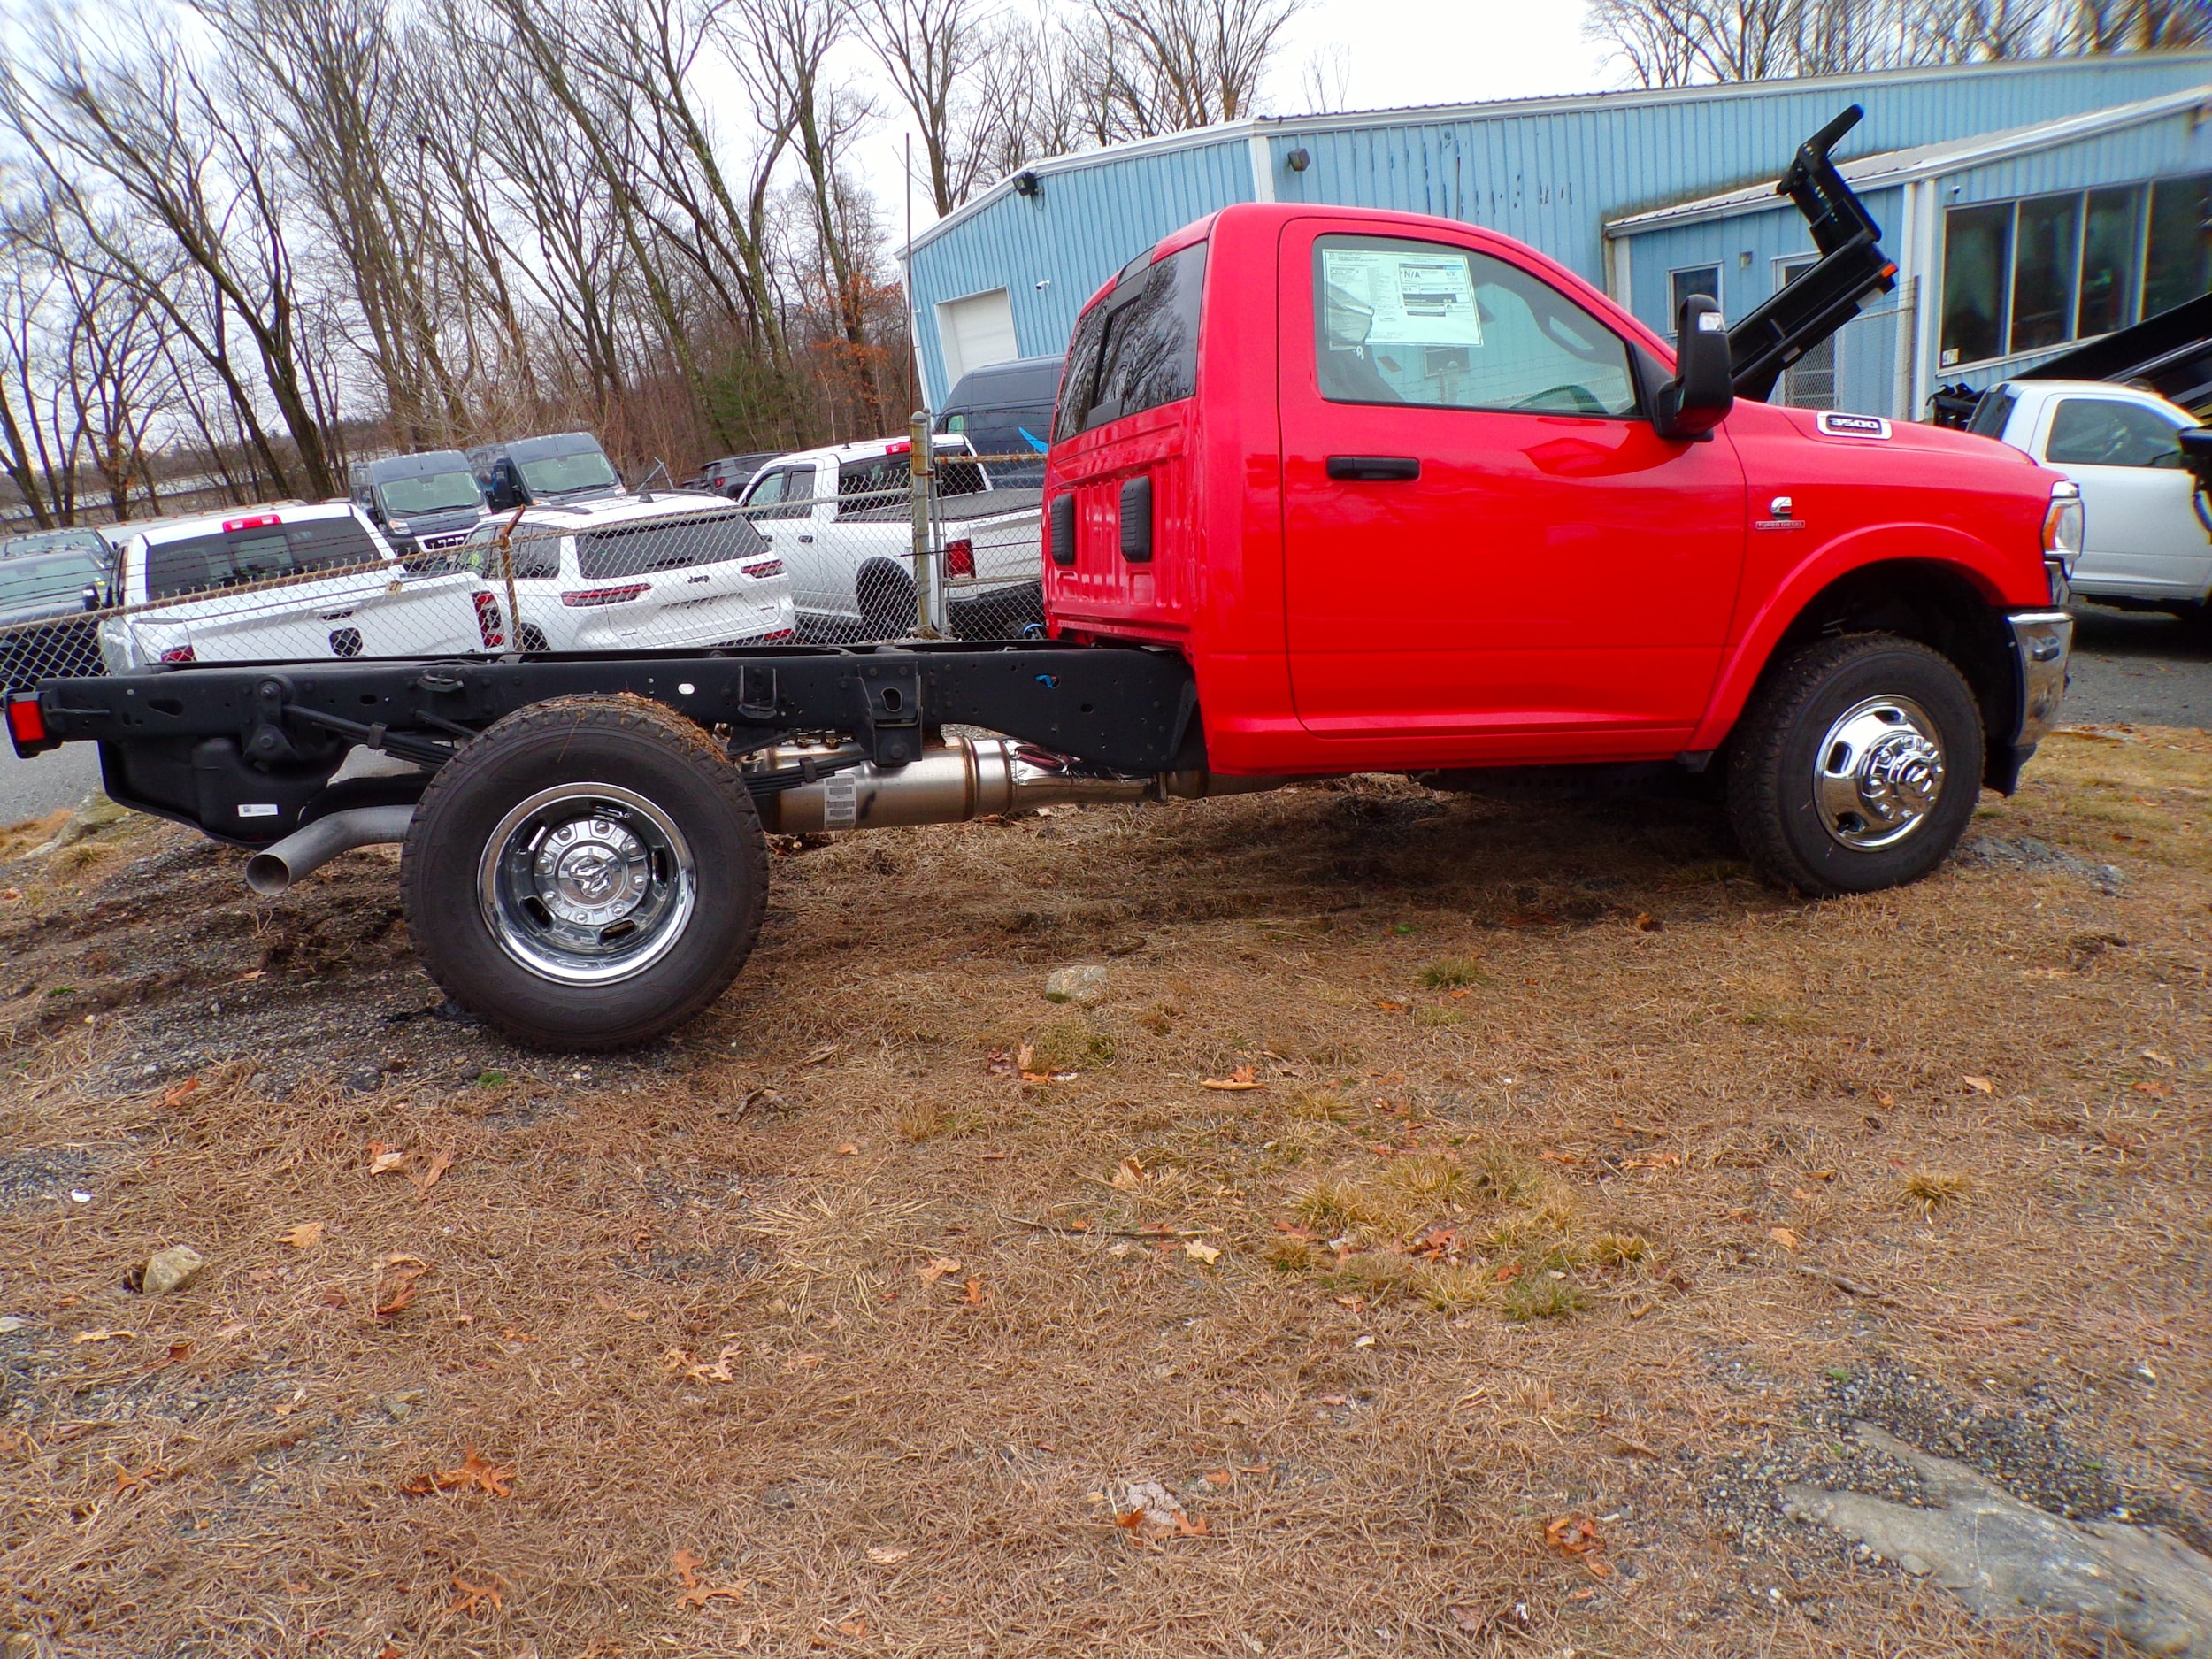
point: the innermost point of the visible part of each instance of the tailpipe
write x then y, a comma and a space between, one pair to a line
965, 778
305, 851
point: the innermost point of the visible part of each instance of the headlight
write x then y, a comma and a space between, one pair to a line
2062, 523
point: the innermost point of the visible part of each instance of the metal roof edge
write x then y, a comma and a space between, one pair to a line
1166, 143
1933, 160
1505, 109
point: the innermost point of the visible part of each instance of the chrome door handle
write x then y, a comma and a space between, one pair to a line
1374, 469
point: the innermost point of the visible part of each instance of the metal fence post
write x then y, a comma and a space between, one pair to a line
919, 459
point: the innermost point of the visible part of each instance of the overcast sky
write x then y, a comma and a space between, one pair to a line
1393, 52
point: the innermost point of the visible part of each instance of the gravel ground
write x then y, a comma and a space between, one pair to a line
2136, 666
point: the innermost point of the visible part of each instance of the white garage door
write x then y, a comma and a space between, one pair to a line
975, 333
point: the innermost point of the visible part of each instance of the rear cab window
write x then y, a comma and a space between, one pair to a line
257, 550
1138, 348
1994, 413
865, 488
1400, 321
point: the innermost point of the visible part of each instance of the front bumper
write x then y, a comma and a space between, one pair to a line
2042, 641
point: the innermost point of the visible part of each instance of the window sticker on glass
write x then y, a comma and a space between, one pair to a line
1407, 297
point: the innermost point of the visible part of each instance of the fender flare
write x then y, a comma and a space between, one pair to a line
1938, 547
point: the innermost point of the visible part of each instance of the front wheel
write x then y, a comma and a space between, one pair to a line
589, 873
1856, 765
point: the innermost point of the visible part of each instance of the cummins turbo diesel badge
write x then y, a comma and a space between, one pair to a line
1835, 425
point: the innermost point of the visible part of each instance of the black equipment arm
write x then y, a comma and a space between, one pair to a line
1853, 268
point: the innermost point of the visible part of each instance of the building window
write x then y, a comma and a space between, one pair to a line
2111, 263
1699, 279
2176, 268
2026, 276
1810, 381
1977, 272
2045, 256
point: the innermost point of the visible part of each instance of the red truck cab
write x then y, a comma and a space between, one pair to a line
1407, 495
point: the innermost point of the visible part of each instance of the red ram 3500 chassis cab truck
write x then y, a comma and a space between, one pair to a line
1330, 491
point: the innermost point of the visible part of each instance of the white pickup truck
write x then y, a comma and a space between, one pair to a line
288, 582
2144, 545
841, 520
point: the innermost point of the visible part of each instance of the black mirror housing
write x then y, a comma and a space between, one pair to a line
1703, 390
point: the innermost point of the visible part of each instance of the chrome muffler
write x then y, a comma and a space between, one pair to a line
967, 778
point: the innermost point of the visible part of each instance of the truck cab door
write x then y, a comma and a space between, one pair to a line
2140, 522
1485, 541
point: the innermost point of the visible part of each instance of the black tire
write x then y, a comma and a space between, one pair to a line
1774, 802
629, 744
532, 638
886, 601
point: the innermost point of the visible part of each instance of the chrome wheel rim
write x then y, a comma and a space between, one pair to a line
587, 883
1879, 773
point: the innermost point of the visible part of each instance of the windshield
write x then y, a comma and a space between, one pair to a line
51, 541
565, 474
440, 492
33, 580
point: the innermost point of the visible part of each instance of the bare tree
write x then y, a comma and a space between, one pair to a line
931, 50
1173, 64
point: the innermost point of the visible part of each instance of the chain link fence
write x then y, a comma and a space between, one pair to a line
875, 559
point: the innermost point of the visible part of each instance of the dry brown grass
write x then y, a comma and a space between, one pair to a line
880, 1347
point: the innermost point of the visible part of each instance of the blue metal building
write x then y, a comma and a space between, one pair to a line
1968, 171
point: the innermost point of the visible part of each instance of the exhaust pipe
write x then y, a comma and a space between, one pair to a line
308, 849
970, 777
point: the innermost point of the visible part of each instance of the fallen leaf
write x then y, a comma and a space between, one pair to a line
1800, 1195
1198, 1252
888, 1555
853, 1627
2157, 1090
1507, 1274
848, 1148
1220, 1477
1884, 1097
700, 1595
1980, 1084
104, 1336
306, 1236
383, 1160
1128, 1175
974, 1296
938, 1268
687, 1565
430, 1177
473, 1472
126, 1481
1572, 1535
1647, 923
1784, 1237
822, 1054
396, 1285
173, 1097
1243, 1077
474, 1596
1026, 1058
1185, 1527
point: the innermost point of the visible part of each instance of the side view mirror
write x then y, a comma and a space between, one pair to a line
1703, 390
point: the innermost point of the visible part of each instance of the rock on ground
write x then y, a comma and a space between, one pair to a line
1085, 986
172, 1269
1996, 1551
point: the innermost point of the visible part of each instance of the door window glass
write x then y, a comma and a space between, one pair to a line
2179, 264
1414, 322
1704, 278
2110, 243
2104, 432
788, 493
2046, 244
